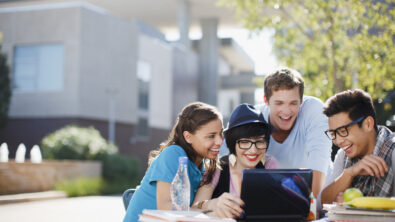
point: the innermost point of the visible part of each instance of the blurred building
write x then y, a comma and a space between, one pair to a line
88, 64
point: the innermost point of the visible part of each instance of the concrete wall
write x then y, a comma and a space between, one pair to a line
32, 177
223, 67
100, 56
227, 101
159, 56
185, 79
41, 27
100, 52
108, 67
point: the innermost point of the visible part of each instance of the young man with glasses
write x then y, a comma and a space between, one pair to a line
298, 122
365, 159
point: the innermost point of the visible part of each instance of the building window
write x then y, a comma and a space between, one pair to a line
142, 129
38, 68
143, 95
144, 78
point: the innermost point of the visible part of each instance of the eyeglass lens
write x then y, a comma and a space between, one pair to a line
246, 144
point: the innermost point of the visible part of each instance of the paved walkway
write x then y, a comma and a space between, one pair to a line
27, 197
84, 209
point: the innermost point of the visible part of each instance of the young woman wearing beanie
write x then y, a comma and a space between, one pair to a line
247, 137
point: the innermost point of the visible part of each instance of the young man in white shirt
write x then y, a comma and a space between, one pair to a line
298, 139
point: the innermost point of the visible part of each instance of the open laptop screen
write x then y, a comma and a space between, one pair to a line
276, 194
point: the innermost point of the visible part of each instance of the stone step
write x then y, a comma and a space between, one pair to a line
26, 197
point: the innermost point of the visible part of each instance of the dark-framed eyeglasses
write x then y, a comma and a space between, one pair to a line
247, 144
343, 130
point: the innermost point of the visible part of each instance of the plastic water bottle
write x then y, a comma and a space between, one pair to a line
180, 187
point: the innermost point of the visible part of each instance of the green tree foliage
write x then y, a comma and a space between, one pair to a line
5, 88
336, 45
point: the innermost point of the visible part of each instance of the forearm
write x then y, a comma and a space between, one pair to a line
202, 197
163, 199
343, 182
164, 205
226, 205
318, 182
205, 204
200, 205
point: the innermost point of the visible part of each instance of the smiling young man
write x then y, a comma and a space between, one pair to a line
298, 140
366, 158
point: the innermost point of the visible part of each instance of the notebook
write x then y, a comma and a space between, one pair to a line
276, 194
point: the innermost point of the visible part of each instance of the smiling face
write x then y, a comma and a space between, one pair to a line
206, 141
359, 141
284, 107
249, 158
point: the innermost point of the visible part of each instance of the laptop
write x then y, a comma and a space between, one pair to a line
276, 194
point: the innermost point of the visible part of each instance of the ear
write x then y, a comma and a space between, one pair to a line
265, 100
368, 123
187, 136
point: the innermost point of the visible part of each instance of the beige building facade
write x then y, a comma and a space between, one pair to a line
76, 63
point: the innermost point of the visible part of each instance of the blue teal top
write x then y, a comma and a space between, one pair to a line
163, 168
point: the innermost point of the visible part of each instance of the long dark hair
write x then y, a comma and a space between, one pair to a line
192, 117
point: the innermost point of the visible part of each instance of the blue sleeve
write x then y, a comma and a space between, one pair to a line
165, 166
318, 146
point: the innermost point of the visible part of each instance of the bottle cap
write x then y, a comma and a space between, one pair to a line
182, 160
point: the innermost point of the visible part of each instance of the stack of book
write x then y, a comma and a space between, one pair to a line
178, 216
345, 213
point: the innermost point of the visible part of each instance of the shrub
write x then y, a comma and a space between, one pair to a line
119, 172
75, 143
78, 143
117, 167
81, 186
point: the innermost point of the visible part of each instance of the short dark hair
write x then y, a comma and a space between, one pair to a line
284, 78
357, 103
246, 131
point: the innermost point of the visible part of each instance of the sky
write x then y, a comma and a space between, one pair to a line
257, 46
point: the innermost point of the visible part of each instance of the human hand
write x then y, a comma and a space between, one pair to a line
226, 205
340, 197
271, 162
369, 165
